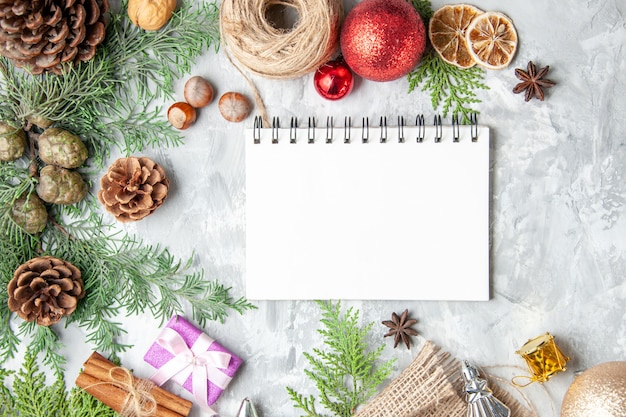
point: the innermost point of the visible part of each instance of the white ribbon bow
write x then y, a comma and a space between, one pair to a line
202, 364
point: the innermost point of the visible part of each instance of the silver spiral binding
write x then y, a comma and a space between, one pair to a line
275, 129
365, 130
421, 128
347, 127
400, 129
329, 129
438, 128
311, 129
383, 129
293, 130
474, 127
420, 124
258, 125
455, 128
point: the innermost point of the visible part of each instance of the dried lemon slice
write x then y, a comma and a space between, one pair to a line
492, 40
447, 33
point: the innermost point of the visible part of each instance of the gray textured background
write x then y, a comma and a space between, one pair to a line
558, 230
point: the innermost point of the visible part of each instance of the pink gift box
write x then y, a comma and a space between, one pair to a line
158, 356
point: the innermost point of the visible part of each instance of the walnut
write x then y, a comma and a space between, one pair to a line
151, 14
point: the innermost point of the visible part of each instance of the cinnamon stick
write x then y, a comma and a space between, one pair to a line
99, 366
97, 371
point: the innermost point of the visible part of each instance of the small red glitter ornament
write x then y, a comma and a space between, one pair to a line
333, 80
383, 40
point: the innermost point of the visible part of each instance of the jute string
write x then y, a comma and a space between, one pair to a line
139, 402
502, 393
274, 52
431, 386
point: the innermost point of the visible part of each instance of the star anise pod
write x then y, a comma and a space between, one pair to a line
533, 81
401, 328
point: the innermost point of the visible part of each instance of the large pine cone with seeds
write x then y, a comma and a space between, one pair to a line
45, 290
133, 188
42, 35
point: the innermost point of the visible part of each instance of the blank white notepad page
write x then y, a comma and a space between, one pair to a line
369, 220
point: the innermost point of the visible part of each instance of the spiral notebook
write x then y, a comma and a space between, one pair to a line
360, 212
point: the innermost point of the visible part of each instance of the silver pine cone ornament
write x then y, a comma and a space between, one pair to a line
42, 35
45, 289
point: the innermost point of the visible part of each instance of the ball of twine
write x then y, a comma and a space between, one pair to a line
274, 52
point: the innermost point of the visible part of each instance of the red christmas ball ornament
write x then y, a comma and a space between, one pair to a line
333, 80
383, 40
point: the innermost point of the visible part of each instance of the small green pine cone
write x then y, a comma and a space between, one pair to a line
12, 142
62, 148
30, 213
61, 186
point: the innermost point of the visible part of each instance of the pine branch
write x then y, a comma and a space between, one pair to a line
152, 59
43, 341
30, 396
121, 272
83, 404
8, 340
7, 402
33, 398
452, 88
424, 9
346, 374
110, 99
304, 403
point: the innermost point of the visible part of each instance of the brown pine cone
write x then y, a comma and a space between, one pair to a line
43, 34
133, 188
45, 289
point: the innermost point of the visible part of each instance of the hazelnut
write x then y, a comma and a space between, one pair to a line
181, 115
198, 92
234, 107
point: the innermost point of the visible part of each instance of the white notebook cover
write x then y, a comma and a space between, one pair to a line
383, 221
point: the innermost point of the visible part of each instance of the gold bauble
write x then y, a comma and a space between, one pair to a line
598, 392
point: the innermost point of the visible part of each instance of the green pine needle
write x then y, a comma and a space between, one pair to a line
452, 89
112, 100
424, 9
82, 404
347, 373
30, 396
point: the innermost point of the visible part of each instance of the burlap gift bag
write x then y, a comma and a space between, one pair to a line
432, 386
